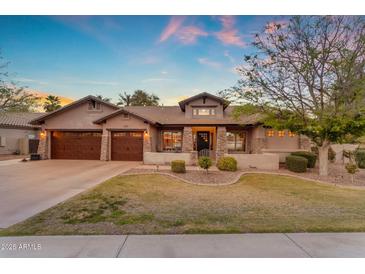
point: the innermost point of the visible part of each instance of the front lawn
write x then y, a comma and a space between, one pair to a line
152, 204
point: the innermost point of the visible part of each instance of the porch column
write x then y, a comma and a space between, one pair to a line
187, 145
147, 144
44, 143
221, 148
104, 152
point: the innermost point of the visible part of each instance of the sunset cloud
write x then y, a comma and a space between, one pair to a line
185, 34
272, 26
209, 63
229, 35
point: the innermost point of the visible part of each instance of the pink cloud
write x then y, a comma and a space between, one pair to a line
272, 26
229, 34
172, 27
185, 34
189, 35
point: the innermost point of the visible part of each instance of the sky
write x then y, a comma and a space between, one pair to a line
171, 56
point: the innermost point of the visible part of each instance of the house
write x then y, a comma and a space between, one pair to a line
17, 135
200, 125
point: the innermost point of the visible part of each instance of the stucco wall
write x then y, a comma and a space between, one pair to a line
163, 158
266, 161
285, 142
338, 148
208, 102
13, 137
282, 152
77, 118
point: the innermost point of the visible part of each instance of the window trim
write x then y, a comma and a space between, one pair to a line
212, 111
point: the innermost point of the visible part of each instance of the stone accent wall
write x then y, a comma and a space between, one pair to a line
304, 142
147, 141
257, 144
221, 148
187, 142
43, 147
104, 153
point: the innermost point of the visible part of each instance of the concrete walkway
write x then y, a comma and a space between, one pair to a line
277, 245
31, 187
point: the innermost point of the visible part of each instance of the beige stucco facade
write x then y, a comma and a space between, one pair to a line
16, 140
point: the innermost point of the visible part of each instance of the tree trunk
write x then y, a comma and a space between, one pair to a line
323, 158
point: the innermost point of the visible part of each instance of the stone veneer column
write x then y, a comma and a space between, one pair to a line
187, 142
221, 148
104, 152
304, 142
43, 146
147, 144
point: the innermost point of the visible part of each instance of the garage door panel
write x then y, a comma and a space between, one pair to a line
76, 145
127, 146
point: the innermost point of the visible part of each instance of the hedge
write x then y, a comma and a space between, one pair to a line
296, 163
227, 163
205, 162
178, 166
360, 157
310, 156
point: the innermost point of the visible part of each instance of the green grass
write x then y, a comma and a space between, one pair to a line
155, 204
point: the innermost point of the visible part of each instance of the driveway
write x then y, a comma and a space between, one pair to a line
31, 187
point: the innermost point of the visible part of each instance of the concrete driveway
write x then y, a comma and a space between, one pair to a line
31, 187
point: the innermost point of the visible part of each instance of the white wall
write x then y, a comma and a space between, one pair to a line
265, 161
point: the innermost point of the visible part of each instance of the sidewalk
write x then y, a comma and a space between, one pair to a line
277, 245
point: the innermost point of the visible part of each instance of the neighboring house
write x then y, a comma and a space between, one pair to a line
201, 125
17, 135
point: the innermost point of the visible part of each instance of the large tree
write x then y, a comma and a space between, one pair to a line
138, 98
12, 97
308, 75
52, 103
105, 99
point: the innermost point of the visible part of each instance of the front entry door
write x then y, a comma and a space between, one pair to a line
203, 140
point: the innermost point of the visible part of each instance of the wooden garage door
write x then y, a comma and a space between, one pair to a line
76, 145
127, 146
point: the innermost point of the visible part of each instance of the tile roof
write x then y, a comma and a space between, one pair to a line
18, 119
172, 115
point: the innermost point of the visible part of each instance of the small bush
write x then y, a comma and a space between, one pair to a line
296, 163
227, 163
178, 166
360, 158
205, 162
310, 156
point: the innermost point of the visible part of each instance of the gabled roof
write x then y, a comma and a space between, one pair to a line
40, 119
182, 103
124, 110
172, 115
18, 119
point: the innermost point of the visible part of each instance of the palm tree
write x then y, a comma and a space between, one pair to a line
52, 103
124, 99
105, 99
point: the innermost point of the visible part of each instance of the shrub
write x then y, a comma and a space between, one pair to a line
205, 162
351, 169
227, 163
360, 158
310, 156
296, 163
178, 166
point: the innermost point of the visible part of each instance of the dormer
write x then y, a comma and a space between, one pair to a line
203, 106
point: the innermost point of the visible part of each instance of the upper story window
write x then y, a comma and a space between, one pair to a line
93, 105
203, 111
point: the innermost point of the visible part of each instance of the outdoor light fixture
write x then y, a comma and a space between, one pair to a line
43, 134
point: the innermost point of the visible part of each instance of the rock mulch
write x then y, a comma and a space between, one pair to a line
337, 175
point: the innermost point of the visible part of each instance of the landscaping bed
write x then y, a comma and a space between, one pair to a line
159, 204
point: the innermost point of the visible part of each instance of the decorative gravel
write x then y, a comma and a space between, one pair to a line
196, 176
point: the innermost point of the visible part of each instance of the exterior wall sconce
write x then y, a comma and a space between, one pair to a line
42, 134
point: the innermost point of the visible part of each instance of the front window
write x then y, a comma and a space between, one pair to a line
270, 133
171, 140
236, 141
203, 111
291, 134
281, 133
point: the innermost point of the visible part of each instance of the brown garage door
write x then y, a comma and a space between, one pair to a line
127, 146
75, 145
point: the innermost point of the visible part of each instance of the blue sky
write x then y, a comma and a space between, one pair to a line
170, 56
